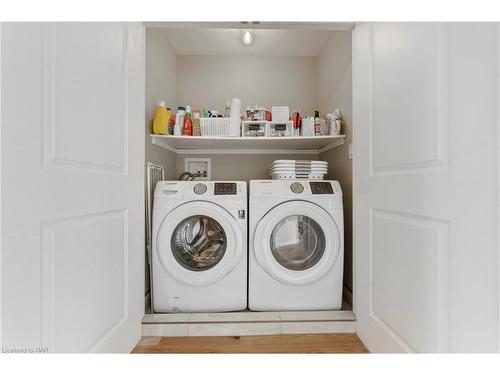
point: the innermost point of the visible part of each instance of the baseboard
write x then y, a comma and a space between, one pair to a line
246, 329
249, 323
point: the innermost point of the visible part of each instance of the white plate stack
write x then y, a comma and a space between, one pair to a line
298, 169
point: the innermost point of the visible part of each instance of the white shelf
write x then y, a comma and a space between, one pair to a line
247, 145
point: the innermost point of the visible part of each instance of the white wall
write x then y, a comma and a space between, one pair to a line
335, 91
160, 84
240, 167
209, 81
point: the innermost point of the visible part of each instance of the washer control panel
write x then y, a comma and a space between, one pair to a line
200, 189
225, 188
297, 188
321, 187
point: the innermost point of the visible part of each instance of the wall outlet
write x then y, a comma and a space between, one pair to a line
201, 168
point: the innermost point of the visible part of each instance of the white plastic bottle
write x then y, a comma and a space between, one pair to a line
179, 120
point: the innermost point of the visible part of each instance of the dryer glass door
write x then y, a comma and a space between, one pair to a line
198, 243
298, 242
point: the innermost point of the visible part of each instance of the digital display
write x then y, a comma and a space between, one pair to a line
280, 127
254, 127
225, 188
321, 187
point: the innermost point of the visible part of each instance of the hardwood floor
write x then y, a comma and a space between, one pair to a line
307, 343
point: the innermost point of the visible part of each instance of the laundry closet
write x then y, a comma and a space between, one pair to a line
416, 162
302, 69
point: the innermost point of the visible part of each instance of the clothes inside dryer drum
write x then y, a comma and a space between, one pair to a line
298, 242
198, 243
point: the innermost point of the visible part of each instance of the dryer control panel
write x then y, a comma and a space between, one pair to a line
321, 187
298, 189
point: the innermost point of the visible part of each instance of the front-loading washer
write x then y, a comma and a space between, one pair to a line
295, 245
199, 246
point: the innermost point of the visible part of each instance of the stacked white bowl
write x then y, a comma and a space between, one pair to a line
298, 169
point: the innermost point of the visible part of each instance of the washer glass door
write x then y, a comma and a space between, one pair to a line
198, 242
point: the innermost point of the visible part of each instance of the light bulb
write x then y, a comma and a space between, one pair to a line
247, 37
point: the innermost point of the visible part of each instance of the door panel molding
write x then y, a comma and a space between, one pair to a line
49, 249
51, 156
439, 160
440, 227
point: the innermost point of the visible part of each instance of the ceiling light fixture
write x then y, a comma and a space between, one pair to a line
247, 37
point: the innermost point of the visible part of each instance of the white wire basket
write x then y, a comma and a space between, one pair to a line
219, 127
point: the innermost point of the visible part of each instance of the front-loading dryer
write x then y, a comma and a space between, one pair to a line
295, 245
199, 246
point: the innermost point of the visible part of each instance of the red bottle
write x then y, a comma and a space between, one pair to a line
187, 129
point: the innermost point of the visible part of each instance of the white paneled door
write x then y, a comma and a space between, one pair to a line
72, 186
426, 186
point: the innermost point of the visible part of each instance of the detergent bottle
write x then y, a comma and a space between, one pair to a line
161, 118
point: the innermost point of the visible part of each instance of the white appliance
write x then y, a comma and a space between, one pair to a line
296, 245
199, 246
